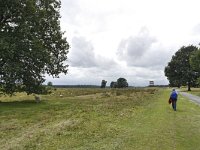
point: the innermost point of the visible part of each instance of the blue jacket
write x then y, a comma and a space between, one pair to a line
174, 95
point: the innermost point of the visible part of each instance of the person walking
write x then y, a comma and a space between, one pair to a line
174, 97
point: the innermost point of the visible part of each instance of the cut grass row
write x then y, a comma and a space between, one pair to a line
104, 119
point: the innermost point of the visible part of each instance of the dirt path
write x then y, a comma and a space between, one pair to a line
191, 97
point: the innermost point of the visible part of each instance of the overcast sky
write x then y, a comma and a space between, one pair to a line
134, 39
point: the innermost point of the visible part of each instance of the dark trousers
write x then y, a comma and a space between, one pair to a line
174, 104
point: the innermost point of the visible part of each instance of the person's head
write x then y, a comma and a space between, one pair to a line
173, 90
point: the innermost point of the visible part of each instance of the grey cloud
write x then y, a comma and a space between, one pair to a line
82, 54
143, 50
155, 58
135, 47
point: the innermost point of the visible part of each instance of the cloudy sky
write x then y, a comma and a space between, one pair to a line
134, 39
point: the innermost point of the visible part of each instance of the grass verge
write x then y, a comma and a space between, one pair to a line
195, 91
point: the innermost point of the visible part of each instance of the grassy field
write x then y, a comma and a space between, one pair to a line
80, 119
195, 91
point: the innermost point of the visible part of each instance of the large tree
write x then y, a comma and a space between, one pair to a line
31, 44
179, 71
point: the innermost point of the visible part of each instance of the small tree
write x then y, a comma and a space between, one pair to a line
103, 83
49, 84
113, 84
122, 83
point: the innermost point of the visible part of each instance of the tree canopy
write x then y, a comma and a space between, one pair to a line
195, 63
31, 44
122, 83
49, 83
113, 84
195, 60
179, 71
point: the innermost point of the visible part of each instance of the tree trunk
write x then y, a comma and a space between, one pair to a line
189, 86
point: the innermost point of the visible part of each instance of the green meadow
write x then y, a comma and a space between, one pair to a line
94, 119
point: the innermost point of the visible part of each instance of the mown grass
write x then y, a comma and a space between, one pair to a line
99, 119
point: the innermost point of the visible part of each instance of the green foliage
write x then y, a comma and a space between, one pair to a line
113, 84
31, 44
198, 81
179, 71
122, 83
195, 63
195, 60
49, 84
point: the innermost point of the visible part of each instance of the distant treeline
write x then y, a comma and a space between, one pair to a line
76, 86
158, 85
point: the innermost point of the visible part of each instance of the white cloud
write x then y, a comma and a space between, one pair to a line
83, 55
131, 38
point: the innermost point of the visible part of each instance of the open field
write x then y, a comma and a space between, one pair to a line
99, 119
